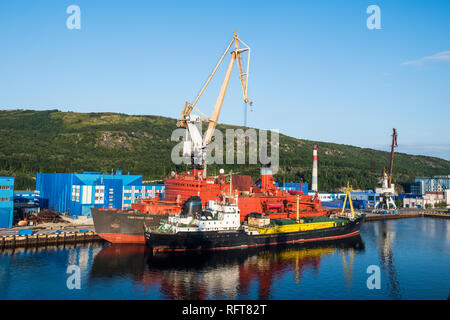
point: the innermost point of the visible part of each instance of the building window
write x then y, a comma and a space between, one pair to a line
5, 187
2, 199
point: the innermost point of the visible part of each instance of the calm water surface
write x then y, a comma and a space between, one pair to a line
413, 256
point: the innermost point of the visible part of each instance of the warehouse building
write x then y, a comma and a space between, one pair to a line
76, 193
6, 201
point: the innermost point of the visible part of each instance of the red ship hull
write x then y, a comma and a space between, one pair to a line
122, 238
120, 226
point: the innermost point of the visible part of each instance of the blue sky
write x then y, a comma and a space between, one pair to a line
317, 72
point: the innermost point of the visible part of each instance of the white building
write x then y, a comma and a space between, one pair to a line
430, 198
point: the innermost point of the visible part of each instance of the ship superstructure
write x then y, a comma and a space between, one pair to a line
265, 197
217, 216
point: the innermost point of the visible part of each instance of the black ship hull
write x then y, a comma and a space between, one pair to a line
124, 226
222, 240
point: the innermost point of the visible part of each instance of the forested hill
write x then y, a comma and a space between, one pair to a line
53, 141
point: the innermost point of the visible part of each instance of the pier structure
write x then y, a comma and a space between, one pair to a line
39, 236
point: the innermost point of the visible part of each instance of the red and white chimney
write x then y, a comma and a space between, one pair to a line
314, 186
266, 178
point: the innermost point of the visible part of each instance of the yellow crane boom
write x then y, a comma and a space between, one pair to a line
212, 121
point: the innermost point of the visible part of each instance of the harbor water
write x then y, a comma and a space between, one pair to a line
412, 256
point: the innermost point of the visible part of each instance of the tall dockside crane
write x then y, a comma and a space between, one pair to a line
387, 189
393, 145
195, 145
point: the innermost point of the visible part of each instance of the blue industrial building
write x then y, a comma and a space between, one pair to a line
295, 186
76, 193
292, 186
289, 186
430, 184
368, 198
402, 196
417, 187
361, 200
27, 197
357, 204
26, 201
132, 193
327, 197
6, 201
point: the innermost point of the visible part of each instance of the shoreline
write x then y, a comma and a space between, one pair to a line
406, 214
46, 235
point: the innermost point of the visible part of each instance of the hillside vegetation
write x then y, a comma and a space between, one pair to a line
53, 141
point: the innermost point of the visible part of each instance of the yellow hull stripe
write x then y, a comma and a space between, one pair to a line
295, 227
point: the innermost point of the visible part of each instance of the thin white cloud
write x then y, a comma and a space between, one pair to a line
441, 57
432, 150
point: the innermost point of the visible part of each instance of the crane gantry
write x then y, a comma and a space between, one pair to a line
196, 147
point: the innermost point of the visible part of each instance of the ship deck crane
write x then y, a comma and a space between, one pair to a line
196, 146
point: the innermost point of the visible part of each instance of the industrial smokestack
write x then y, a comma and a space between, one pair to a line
266, 177
314, 186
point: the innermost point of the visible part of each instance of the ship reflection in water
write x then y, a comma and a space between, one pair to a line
413, 257
247, 273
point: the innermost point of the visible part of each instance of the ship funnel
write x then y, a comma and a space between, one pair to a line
314, 186
192, 206
266, 177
